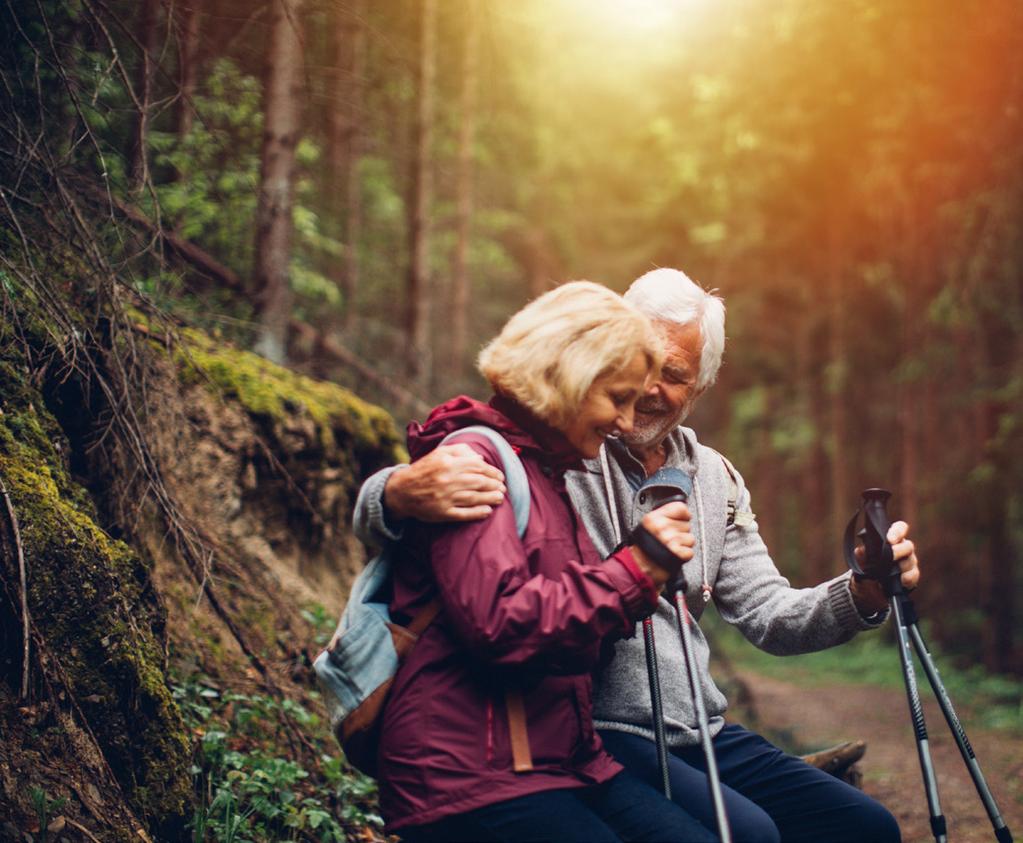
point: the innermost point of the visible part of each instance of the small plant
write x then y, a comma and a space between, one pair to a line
249, 785
45, 809
322, 621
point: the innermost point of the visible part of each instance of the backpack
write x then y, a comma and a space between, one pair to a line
357, 668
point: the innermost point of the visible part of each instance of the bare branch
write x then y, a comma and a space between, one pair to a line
25, 623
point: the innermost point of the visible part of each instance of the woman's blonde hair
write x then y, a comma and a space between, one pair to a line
549, 354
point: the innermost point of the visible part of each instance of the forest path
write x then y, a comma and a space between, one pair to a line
827, 714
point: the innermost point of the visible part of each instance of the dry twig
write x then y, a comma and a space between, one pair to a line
25, 631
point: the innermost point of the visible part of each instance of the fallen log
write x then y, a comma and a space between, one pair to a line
840, 761
198, 258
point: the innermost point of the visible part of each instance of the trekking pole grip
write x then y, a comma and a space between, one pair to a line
878, 558
678, 582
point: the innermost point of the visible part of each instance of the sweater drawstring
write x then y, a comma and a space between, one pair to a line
612, 504
705, 588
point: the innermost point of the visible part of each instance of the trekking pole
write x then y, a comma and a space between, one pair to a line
684, 619
877, 548
1002, 833
676, 591
656, 704
938, 825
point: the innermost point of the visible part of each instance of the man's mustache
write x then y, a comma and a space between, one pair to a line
650, 405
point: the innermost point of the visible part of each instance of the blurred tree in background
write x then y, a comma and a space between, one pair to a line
368, 190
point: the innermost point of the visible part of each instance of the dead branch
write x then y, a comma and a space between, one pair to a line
189, 252
341, 354
25, 626
82, 829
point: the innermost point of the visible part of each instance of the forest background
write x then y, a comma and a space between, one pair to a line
402, 176
364, 191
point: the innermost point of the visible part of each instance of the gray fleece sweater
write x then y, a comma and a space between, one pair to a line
731, 559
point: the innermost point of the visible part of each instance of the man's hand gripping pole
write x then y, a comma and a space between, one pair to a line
879, 564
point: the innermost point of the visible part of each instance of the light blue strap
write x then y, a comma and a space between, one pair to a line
514, 472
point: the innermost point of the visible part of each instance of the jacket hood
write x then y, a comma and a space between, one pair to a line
523, 430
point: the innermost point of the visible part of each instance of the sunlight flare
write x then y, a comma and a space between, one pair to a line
637, 17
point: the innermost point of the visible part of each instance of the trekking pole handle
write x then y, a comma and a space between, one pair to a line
659, 553
875, 531
879, 558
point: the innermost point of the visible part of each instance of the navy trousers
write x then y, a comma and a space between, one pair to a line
622, 809
769, 796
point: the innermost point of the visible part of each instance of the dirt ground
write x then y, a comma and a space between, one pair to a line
891, 771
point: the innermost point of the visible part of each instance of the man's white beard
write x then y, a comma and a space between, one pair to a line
650, 435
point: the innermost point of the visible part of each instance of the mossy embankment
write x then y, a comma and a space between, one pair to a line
277, 395
97, 667
261, 464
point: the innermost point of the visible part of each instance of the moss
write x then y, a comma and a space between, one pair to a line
85, 598
273, 392
23, 427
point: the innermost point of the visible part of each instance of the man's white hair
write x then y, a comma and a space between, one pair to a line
672, 296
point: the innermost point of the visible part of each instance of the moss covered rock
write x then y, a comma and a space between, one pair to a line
93, 612
277, 394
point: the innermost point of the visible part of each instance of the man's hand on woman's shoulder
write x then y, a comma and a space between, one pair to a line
451, 483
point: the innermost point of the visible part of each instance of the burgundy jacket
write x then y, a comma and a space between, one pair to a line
519, 620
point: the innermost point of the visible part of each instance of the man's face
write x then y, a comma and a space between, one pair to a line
671, 398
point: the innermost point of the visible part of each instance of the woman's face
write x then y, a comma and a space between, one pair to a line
608, 407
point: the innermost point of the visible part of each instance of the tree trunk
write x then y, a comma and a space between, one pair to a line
352, 184
419, 292
999, 649
769, 482
812, 486
149, 37
188, 71
282, 112
837, 363
911, 341
344, 142
466, 134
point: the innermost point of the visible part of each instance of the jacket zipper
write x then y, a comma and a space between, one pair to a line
490, 731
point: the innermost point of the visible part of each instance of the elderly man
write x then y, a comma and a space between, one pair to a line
769, 795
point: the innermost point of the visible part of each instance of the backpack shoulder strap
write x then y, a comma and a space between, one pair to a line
743, 519
514, 472
424, 617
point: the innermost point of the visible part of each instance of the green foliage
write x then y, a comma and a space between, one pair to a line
322, 621
46, 809
249, 789
210, 185
212, 175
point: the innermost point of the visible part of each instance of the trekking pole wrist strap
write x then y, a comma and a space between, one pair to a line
656, 551
849, 544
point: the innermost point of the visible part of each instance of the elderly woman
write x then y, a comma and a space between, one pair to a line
488, 733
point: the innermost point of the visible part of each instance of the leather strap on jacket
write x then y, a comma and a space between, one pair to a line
424, 617
522, 758
405, 637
